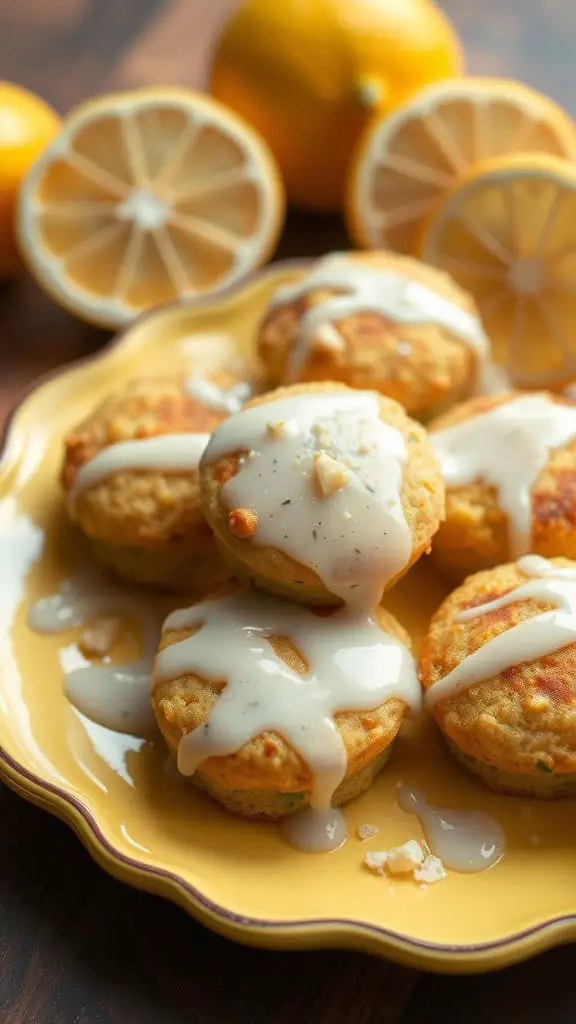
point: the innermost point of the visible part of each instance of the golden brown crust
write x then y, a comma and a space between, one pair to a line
422, 366
522, 720
273, 805
422, 501
141, 508
268, 761
474, 534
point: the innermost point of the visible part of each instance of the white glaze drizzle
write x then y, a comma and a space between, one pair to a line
466, 841
529, 640
170, 453
355, 539
212, 396
116, 696
354, 665
368, 289
507, 447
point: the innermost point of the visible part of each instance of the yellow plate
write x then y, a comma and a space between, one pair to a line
157, 833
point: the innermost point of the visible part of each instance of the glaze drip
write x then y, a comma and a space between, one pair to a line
314, 832
507, 448
170, 453
212, 396
324, 475
531, 639
354, 665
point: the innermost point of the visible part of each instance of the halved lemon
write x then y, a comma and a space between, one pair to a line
145, 197
409, 160
507, 235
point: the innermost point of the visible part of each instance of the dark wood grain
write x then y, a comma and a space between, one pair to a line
77, 947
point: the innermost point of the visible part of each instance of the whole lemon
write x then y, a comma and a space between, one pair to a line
27, 124
310, 74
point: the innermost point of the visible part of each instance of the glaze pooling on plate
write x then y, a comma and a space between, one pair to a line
354, 666
168, 453
529, 640
466, 841
507, 448
116, 696
349, 528
315, 832
367, 289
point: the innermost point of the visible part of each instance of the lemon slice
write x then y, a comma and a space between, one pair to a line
507, 236
145, 197
408, 161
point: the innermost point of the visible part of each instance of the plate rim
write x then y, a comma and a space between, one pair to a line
306, 933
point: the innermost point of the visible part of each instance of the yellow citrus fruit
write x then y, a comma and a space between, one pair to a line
27, 124
145, 197
407, 162
310, 75
506, 234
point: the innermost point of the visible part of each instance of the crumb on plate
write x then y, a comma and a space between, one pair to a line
366, 831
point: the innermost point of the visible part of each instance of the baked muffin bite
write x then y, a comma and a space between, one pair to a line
130, 473
247, 690
499, 669
509, 464
322, 494
379, 321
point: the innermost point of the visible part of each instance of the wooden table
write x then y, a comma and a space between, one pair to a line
77, 947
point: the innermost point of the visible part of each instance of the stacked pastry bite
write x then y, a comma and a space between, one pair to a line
325, 496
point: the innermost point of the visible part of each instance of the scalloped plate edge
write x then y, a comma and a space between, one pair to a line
304, 934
